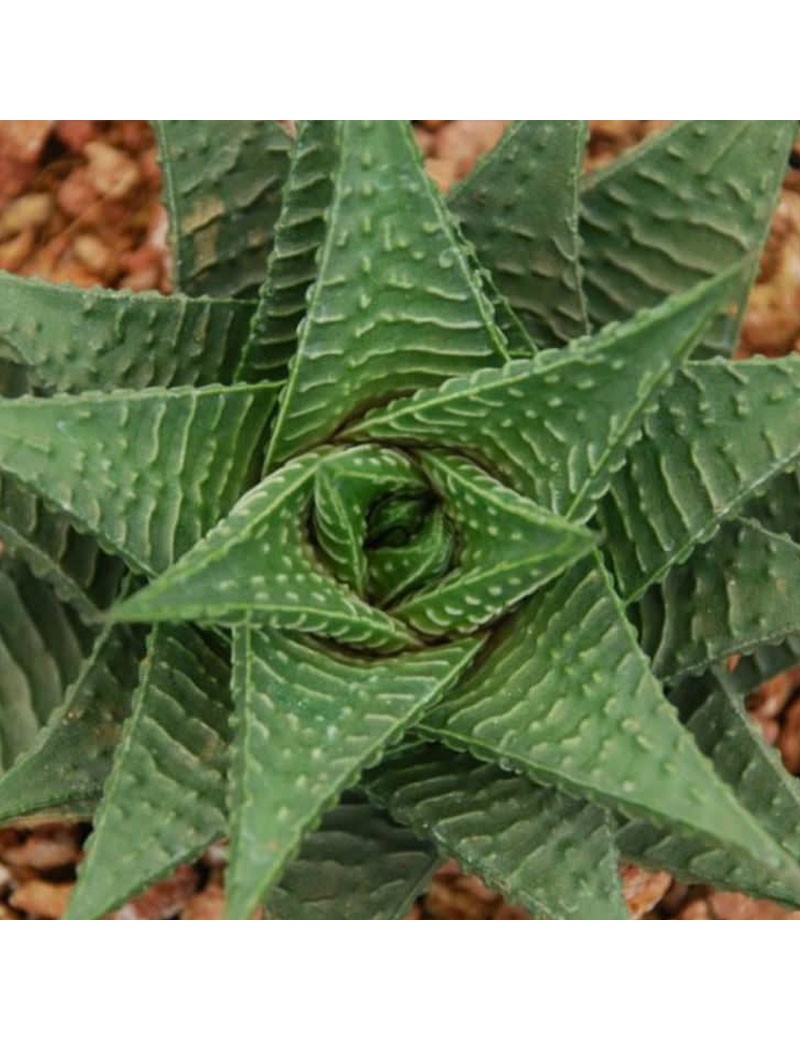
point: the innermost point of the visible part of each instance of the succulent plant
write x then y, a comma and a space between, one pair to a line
408, 529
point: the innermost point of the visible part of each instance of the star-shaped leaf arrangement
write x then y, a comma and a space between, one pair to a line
406, 529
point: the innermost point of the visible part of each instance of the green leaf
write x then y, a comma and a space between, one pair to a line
753, 579
508, 547
684, 205
71, 755
719, 723
721, 432
395, 306
164, 800
42, 646
519, 207
346, 487
556, 427
543, 850
222, 183
147, 472
257, 565
308, 720
72, 563
292, 264
358, 865
397, 570
72, 339
567, 697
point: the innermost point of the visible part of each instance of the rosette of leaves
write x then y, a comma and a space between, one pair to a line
407, 529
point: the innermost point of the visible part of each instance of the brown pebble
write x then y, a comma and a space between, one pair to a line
75, 134
733, 906
16, 250
442, 172
163, 900
46, 848
694, 910
24, 139
28, 211
77, 193
93, 253
42, 899
206, 905
789, 739
643, 889
111, 171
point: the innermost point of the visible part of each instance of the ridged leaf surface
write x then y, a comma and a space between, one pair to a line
358, 865
717, 720
519, 208
292, 266
308, 721
222, 184
753, 579
72, 339
71, 756
395, 306
164, 800
543, 850
556, 427
567, 697
147, 472
720, 433
42, 646
684, 205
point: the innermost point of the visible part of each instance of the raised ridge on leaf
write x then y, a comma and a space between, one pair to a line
717, 720
567, 697
69, 760
147, 472
721, 432
70, 339
42, 646
357, 865
395, 305
752, 577
543, 850
519, 208
292, 264
308, 721
685, 204
169, 765
222, 184
557, 427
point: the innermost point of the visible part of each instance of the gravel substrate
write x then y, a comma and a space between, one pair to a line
79, 203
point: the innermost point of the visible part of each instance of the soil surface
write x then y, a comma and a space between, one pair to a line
79, 203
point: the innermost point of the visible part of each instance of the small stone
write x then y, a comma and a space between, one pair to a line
643, 889
93, 253
75, 134
734, 906
45, 848
164, 900
694, 910
28, 211
77, 193
42, 899
789, 739
16, 251
206, 905
24, 139
111, 171
442, 172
